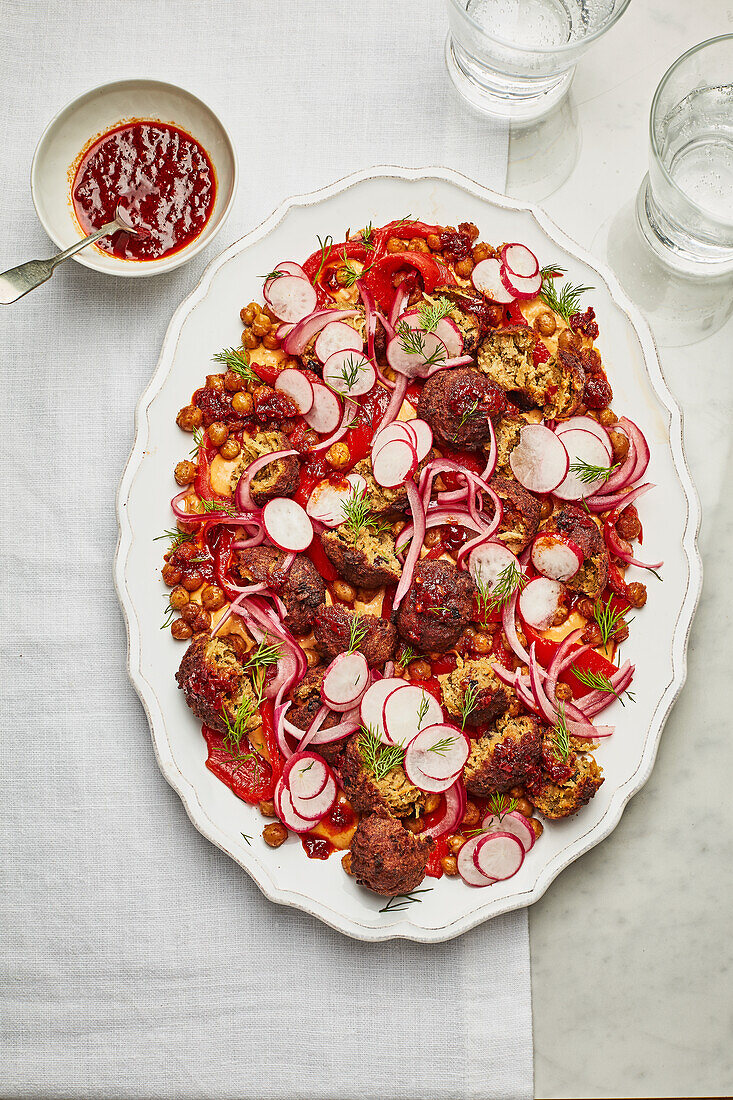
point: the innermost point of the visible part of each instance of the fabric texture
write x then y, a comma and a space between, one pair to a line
139, 961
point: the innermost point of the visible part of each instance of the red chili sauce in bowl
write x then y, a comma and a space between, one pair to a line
160, 176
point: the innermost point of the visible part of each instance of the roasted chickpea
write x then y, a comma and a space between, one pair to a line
636, 593
230, 450
398, 526
482, 251
455, 843
413, 824
545, 508
585, 607
270, 341
178, 597
545, 323
628, 524
417, 244
180, 630
420, 669
525, 808
464, 268
394, 244
338, 456
218, 433
212, 597
192, 580
467, 640
592, 635
236, 641
215, 382
561, 615
620, 445
568, 340
607, 417
472, 815
197, 617
563, 693
171, 574
516, 792
312, 658
433, 242
184, 472
189, 417
432, 537
431, 803
344, 591
537, 826
268, 313
621, 632
261, 325
346, 862
248, 314
249, 340
449, 865
232, 381
275, 834
242, 403
482, 643
267, 808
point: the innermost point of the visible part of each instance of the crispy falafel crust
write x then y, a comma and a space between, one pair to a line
492, 699
458, 405
393, 794
212, 679
555, 801
386, 858
302, 588
367, 560
521, 515
332, 633
504, 757
592, 576
555, 386
278, 479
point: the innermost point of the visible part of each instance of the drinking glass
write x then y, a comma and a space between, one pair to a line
516, 58
673, 249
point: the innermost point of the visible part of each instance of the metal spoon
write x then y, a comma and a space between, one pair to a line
17, 281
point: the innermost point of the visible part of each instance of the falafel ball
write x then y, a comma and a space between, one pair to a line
579, 526
366, 559
563, 800
393, 793
458, 405
277, 479
437, 607
214, 684
302, 588
336, 627
521, 514
306, 701
386, 858
477, 677
504, 757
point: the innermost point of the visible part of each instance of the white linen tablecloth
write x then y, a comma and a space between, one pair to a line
138, 960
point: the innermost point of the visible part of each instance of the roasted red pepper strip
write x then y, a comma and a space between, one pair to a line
588, 662
242, 769
202, 482
378, 278
222, 550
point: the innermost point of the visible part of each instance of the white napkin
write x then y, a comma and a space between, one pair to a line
138, 961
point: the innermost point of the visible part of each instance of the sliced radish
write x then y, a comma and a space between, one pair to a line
394, 464
486, 562
582, 447
407, 711
337, 336
291, 298
446, 330
513, 823
295, 385
556, 556
413, 364
398, 429
306, 776
424, 434
486, 277
540, 602
313, 809
349, 373
286, 812
326, 502
345, 681
438, 751
287, 524
521, 288
372, 704
518, 259
498, 855
587, 424
539, 461
467, 869
288, 267
325, 415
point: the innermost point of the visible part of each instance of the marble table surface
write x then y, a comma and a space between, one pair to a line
631, 946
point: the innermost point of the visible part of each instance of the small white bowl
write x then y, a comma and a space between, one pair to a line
99, 110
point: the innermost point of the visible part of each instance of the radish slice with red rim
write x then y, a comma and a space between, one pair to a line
540, 601
325, 415
519, 260
337, 336
438, 751
514, 823
372, 704
394, 464
467, 869
286, 267
414, 364
539, 461
346, 680
486, 277
556, 556
486, 562
287, 524
286, 811
498, 855
306, 776
519, 287
295, 385
585, 449
587, 424
424, 434
313, 809
446, 330
398, 429
291, 298
407, 711
349, 373
326, 504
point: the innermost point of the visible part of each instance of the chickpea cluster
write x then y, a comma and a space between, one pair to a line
433, 244
260, 326
195, 617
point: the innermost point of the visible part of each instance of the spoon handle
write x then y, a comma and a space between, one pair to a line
17, 281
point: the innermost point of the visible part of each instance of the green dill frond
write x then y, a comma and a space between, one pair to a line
265, 655
470, 412
608, 620
413, 341
175, 538
431, 314
357, 633
423, 709
501, 804
378, 759
399, 902
598, 681
367, 237
237, 729
588, 473
326, 246
237, 360
469, 702
247, 838
561, 735
169, 614
567, 301
507, 582
272, 275
218, 506
441, 747
357, 515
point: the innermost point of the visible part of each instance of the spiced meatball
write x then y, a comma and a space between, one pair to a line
214, 684
437, 607
302, 589
337, 629
386, 858
366, 559
277, 479
393, 793
563, 800
502, 758
476, 681
306, 701
521, 515
458, 405
577, 525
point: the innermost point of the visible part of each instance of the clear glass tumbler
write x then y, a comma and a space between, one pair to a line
516, 58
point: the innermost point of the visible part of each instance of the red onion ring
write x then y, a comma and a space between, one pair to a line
399, 300
416, 543
455, 808
395, 403
301, 335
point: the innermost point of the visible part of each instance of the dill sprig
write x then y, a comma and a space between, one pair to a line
349, 373
236, 728
175, 537
169, 614
247, 838
401, 901
501, 804
218, 506
237, 361
423, 709
198, 442
413, 342
561, 735
273, 275
432, 314
358, 631
507, 582
265, 655
608, 619
588, 473
441, 747
357, 514
598, 681
567, 301
367, 235
326, 246
378, 759
470, 412
469, 702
